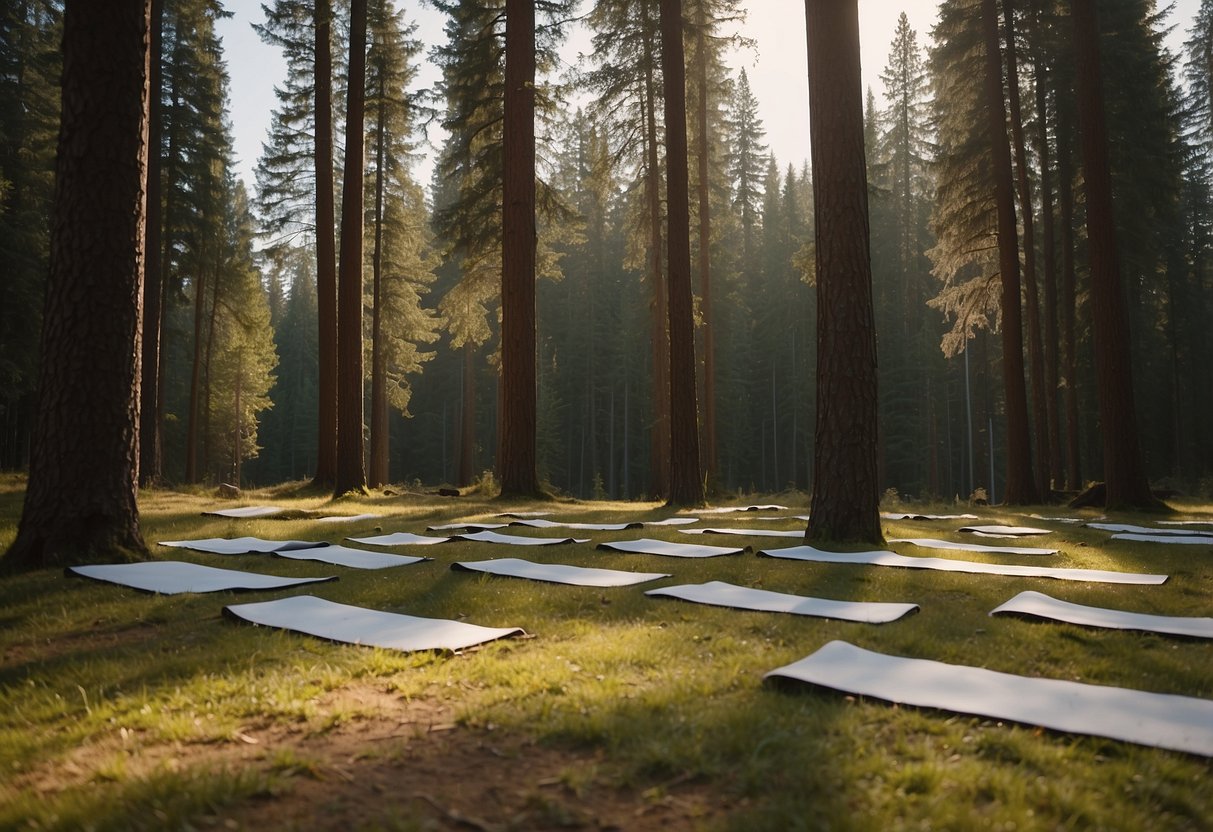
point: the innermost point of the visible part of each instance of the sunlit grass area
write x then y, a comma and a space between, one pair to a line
124, 710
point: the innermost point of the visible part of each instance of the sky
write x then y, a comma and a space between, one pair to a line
776, 67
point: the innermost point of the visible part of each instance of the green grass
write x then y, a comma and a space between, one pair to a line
114, 704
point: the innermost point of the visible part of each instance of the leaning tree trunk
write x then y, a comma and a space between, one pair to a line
81, 500
1124, 473
686, 482
1020, 488
326, 252
516, 454
846, 490
351, 466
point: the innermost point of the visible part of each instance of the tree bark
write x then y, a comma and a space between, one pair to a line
1036, 362
467, 419
1069, 346
81, 500
326, 253
516, 456
1021, 487
686, 481
150, 458
378, 474
351, 467
1124, 472
846, 492
192, 422
705, 250
659, 436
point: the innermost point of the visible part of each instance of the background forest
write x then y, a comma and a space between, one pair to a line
231, 383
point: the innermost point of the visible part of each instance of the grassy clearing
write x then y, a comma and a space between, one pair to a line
123, 710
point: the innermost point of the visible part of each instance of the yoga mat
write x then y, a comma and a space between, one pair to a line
557, 573
169, 577
1177, 723
241, 545
1185, 539
245, 511
484, 527
732, 509
1129, 528
670, 521
647, 546
944, 565
1208, 523
372, 628
591, 527
1057, 519
353, 558
931, 543
721, 594
348, 518
1004, 531
399, 539
517, 540
889, 515
748, 532
1039, 605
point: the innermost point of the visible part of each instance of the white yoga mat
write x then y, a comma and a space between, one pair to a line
1206, 523
931, 543
557, 573
748, 532
539, 523
371, 628
670, 521
245, 511
1177, 723
517, 540
721, 594
1004, 531
353, 558
1182, 539
891, 515
647, 546
1129, 528
1057, 519
399, 539
1039, 605
348, 518
168, 577
446, 527
241, 545
944, 565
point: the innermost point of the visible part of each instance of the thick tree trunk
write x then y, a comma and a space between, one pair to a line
659, 436
705, 250
516, 455
326, 252
1124, 472
351, 470
1069, 339
467, 419
192, 426
1036, 361
81, 500
150, 459
1021, 487
378, 474
846, 491
686, 481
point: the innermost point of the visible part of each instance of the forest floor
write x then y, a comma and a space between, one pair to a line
124, 710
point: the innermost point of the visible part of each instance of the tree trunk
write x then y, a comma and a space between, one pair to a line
81, 500
1069, 351
378, 474
846, 491
1036, 362
150, 459
1124, 472
351, 470
659, 447
192, 423
1021, 487
705, 250
686, 481
516, 455
326, 253
467, 419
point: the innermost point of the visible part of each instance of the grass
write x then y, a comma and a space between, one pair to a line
122, 710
